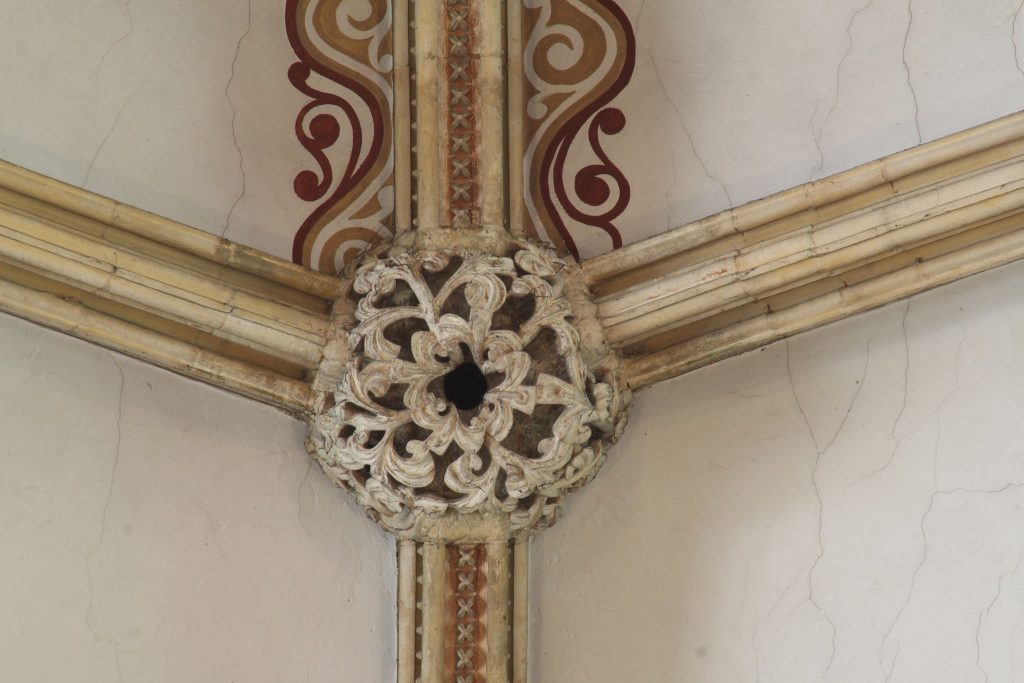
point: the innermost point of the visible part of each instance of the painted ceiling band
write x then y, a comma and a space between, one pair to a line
463, 378
410, 120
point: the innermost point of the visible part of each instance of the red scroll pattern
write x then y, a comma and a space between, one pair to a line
580, 55
345, 68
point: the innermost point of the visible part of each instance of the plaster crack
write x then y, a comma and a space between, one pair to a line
127, 34
906, 369
906, 67
936, 491
817, 487
920, 564
817, 134
988, 608
298, 496
113, 127
689, 137
743, 598
895, 658
1013, 38
903, 406
667, 197
103, 528
640, 14
767, 617
214, 530
234, 114
987, 492
1013, 656
796, 399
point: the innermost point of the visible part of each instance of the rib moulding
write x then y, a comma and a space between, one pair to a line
814, 254
260, 326
462, 477
160, 291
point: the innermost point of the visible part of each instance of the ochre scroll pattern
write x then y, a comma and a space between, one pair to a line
579, 56
345, 69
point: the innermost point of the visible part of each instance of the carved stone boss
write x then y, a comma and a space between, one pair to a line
458, 378
477, 393
472, 384
468, 390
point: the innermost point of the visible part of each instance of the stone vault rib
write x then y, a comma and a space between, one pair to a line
461, 380
814, 254
163, 292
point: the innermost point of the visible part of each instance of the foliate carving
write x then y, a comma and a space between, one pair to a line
467, 389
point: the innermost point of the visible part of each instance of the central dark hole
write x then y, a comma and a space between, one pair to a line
465, 386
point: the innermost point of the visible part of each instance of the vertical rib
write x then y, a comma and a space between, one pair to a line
402, 117
407, 575
491, 89
514, 115
435, 563
430, 115
498, 611
520, 607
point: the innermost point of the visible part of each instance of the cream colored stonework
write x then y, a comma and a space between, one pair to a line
363, 357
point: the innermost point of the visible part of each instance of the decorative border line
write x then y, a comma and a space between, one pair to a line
468, 631
463, 155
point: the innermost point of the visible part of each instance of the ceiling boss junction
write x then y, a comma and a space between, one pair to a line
459, 372
475, 387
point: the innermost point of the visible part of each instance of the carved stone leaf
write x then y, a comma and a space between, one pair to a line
395, 436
